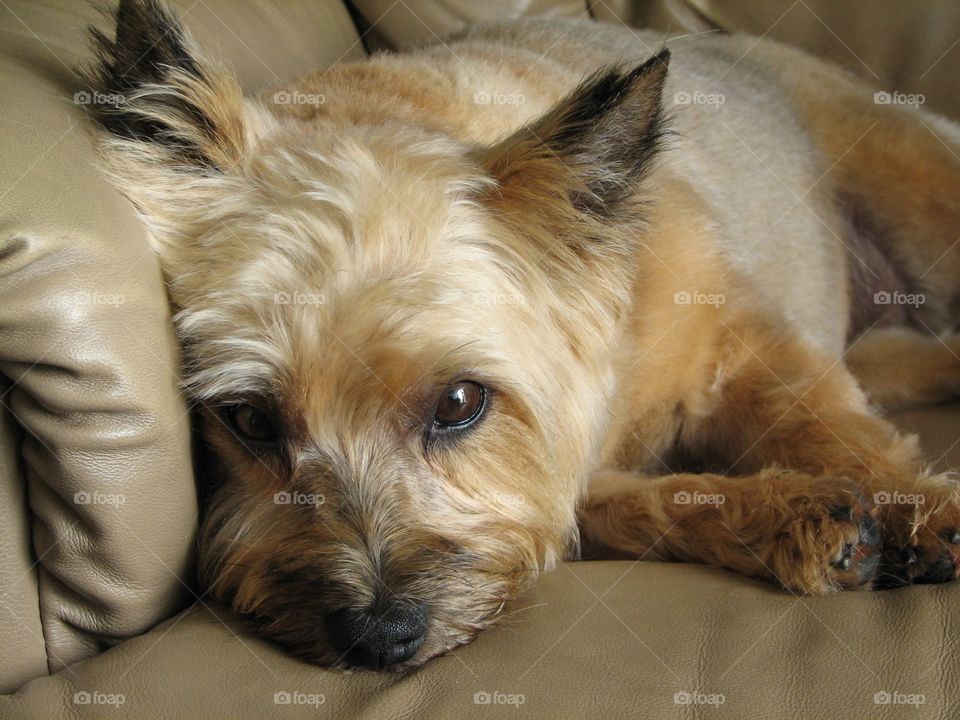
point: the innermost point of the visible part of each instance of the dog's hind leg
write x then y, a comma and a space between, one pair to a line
894, 172
893, 168
900, 368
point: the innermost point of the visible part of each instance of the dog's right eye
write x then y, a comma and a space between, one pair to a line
460, 406
252, 424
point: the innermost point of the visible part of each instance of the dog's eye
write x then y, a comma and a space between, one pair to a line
460, 406
252, 423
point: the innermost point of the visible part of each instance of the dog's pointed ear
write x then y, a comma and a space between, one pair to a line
175, 126
593, 149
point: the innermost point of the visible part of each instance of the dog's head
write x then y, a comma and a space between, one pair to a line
399, 344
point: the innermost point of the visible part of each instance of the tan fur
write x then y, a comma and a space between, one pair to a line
338, 264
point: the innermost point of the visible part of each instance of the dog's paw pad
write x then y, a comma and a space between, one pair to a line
832, 541
938, 558
859, 557
920, 553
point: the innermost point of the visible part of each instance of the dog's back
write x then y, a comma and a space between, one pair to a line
740, 136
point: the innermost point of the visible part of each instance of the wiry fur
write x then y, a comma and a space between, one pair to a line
536, 249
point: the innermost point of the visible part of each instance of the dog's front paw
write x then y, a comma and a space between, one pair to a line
921, 536
829, 538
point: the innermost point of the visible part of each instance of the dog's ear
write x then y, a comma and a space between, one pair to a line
176, 126
592, 150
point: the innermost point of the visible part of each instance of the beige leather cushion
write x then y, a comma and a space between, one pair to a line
407, 24
907, 47
21, 634
105, 548
608, 640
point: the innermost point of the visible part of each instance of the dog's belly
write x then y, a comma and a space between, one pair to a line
875, 280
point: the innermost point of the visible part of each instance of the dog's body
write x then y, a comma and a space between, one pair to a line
653, 307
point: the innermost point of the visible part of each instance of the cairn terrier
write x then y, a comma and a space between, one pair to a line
543, 288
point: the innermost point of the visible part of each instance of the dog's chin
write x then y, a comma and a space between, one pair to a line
316, 650
438, 642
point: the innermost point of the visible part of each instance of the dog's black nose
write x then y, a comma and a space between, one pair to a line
378, 638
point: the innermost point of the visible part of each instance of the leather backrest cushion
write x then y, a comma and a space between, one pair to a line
98, 499
404, 25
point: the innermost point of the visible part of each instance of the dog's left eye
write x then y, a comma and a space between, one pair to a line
252, 424
460, 406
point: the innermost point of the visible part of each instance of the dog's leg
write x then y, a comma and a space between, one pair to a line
900, 368
810, 534
780, 404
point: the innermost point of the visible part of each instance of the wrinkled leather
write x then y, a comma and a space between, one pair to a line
611, 639
99, 502
99, 412
898, 46
409, 24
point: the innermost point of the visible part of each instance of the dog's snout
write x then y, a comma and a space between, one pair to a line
376, 639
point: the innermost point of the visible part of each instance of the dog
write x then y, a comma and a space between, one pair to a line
541, 289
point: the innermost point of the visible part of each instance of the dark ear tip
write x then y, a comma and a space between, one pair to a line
657, 63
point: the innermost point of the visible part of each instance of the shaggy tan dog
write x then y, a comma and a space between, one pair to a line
444, 313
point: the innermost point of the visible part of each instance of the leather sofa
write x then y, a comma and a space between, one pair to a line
99, 612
